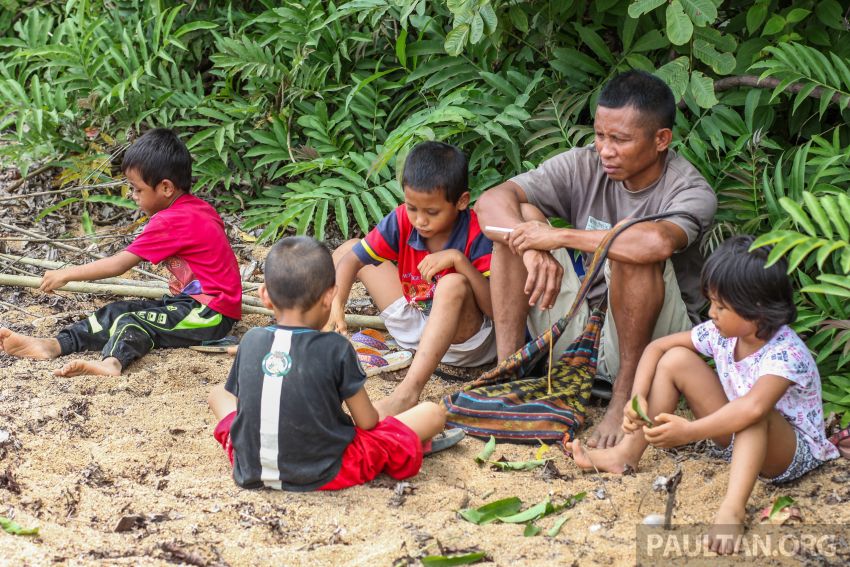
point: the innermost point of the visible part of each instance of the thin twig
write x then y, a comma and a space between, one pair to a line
609, 498
66, 239
28, 176
63, 190
16, 308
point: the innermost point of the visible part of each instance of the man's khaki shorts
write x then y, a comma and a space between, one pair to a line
672, 319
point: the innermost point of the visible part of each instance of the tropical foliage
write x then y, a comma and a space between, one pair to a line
299, 112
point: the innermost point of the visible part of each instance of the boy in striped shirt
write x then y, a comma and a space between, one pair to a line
426, 266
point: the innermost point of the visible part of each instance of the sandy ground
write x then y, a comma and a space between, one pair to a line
86, 452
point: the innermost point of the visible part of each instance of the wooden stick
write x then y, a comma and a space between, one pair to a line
51, 265
59, 191
75, 249
156, 293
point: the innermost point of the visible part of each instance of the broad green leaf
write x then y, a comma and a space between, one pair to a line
195, 26
830, 13
113, 200
649, 41
701, 12
595, 43
86, 222
798, 215
780, 504
518, 465
639, 410
456, 39
488, 14
487, 451
641, 7
702, 88
756, 16
818, 213
476, 30
679, 25
401, 47
451, 560
675, 74
492, 511
797, 15
14, 528
556, 529
56, 207
530, 530
518, 18
774, 25
721, 63
528, 515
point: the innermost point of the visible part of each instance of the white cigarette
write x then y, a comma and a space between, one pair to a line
499, 229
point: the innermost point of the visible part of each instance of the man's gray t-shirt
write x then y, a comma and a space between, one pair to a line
574, 186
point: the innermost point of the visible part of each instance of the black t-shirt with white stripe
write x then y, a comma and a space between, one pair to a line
290, 430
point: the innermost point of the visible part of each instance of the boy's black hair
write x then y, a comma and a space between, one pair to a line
435, 166
738, 278
298, 270
645, 92
159, 154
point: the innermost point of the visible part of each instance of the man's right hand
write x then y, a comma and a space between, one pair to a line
544, 278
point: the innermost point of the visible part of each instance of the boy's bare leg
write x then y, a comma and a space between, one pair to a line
426, 419
454, 318
765, 448
680, 371
109, 366
636, 294
222, 403
16, 344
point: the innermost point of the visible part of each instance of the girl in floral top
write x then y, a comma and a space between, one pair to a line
761, 401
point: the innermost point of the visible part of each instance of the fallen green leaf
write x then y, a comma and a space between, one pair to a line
492, 511
448, 561
14, 528
556, 529
781, 503
518, 465
529, 515
486, 452
530, 530
638, 410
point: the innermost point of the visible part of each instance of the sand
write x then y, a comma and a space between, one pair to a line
87, 455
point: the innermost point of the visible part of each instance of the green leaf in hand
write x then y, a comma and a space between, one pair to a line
638, 410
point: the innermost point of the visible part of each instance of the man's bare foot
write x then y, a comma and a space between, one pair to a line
106, 367
23, 346
605, 460
395, 403
724, 537
609, 431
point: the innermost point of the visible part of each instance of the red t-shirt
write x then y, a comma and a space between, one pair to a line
189, 237
396, 239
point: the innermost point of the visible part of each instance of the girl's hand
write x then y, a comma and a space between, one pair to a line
631, 420
669, 431
54, 279
435, 263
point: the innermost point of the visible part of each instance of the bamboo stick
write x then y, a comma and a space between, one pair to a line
156, 293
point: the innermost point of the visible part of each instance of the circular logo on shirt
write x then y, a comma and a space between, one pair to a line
277, 364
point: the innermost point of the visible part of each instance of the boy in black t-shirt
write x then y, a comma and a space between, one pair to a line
281, 418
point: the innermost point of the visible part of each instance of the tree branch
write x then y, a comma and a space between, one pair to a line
753, 81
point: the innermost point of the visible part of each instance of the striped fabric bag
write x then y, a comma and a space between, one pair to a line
523, 411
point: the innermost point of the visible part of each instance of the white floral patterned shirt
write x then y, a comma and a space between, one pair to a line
783, 355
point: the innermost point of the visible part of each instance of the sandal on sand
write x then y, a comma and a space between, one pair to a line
841, 440
372, 340
376, 364
444, 440
218, 345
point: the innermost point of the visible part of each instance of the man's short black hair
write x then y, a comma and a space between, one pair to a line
648, 94
739, 279
298, 270
435, 166
159, 154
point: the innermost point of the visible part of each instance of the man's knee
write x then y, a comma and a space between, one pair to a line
625, 271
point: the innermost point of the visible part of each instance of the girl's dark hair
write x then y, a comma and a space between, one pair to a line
159, 154
737, 277
298, 270
436, 166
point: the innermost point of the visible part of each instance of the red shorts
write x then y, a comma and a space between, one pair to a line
390, 447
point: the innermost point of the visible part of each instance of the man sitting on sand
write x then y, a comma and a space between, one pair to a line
652, 276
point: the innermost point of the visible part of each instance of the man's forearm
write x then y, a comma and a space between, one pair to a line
638, 244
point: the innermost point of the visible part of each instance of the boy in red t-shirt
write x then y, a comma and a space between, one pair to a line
437, 300
187, 235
